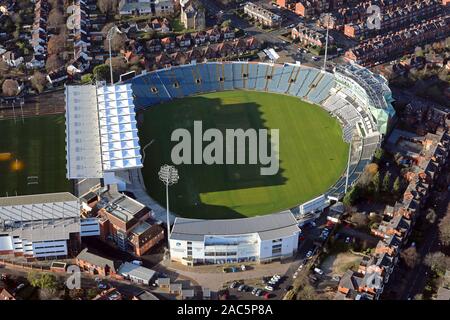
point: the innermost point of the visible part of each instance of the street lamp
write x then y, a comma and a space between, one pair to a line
169, 176
109, 37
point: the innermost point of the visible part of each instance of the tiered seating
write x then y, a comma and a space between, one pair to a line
190, 80
283, 85
214, 76
299, 77
312, 74
321, 92
272, 84
252, 74
142, 90
261, 77
204, 72
228, 71
238, 72
169, 81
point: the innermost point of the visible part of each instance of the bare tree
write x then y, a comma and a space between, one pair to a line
410, 257
359, 219
444, 230
4, 67
10, 88
53, 62
56, 44
437, 261
119, 66
55, 18
108, 6
38, 81
118, 40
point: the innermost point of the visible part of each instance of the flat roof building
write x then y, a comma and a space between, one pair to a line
261, 239
40, 226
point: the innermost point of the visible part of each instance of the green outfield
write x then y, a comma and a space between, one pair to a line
312, 154
32, 156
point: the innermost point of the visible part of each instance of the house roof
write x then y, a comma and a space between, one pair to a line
131, 270
95, 259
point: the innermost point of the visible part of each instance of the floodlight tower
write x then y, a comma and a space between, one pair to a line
169, 176
328, 17
114, 29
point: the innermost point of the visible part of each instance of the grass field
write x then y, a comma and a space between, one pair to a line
312, 154
32, 156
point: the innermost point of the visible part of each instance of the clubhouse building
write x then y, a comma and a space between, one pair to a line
262, 239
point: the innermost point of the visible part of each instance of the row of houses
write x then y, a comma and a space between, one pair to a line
373, 273
215, 51
395, 15
308, 36
310, 8
39, 34
382, 47
185, 41
262, 15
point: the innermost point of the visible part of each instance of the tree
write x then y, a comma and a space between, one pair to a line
379, 154
226, 23
87, 78
410, 257
444, 230
4, 67
43, 280
10, 88
359, 219
117, 42
56, 44
352, 196
108, 6
437, 261
376, 182
53, 62
119, 66
397, 185
101, 73
431, 216
38, 81
307, 292
387, 182
55, 18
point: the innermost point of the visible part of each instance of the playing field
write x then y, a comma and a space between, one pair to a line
32, 156
312, 154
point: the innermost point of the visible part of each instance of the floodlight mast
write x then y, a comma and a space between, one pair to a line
114, 29
169, 176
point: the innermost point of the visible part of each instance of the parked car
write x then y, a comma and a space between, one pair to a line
309, 254
300, 267
241, 287
348, 239
295, 275
267, 295
137, 262
318, 271
259, 293
268, 288
254, 291
234, 284
102, 286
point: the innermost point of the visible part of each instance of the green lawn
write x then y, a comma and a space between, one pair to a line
312, 154
32, 156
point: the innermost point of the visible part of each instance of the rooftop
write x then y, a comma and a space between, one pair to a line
268, 227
